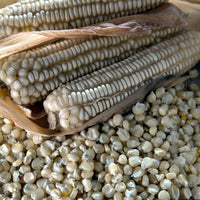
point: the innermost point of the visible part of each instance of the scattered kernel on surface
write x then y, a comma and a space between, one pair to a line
117, 119
151, 98
151, 122
5, 177
113, 168
87, 184
123, 134
146, 146
108, 190
135, 161
160, 92
147, 162
37, 194
153, 189
138, 108
93, 133
29, 177
159, 152
137, 130
196, 193
163, 195
167, 98
186, 192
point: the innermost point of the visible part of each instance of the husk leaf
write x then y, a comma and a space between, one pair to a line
192, 11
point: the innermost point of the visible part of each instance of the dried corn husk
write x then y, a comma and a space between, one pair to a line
192, 10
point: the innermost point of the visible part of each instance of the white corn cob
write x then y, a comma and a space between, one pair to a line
31, 15
31, 75
84, 98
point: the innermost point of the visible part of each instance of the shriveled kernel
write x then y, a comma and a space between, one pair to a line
138, 172
174, 192
57, 176
145, 180
55, 193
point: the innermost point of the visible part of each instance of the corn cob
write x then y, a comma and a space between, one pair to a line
31, 75
86, 97
31, 15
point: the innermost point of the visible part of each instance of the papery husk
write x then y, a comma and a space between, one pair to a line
130, 25
192, 1
192, 11
11, 111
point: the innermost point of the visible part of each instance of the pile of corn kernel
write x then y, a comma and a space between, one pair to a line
150, 153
